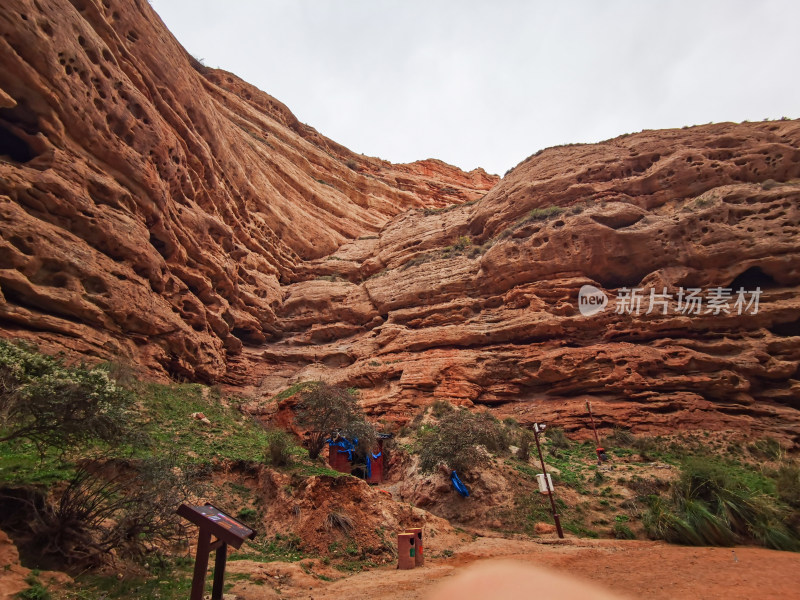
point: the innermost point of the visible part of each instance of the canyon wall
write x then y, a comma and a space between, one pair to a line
151, 207
478, 303
163, 213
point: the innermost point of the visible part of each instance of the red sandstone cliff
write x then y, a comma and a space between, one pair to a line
478, 304
151, 207
156, 210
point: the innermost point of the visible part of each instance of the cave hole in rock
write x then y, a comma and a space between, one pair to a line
14, 147
15, 122
787, 329
23, 245
752, 278
160, 246
247, 335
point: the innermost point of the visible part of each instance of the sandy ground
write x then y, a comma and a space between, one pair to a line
635, 569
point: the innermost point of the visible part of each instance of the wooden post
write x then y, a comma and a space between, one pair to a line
200, 565
551, 495
601, 456
219, 572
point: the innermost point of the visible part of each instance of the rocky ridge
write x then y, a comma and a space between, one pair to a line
478, 304
152, 207
160, 212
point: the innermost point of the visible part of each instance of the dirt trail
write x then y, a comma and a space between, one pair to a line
636, 569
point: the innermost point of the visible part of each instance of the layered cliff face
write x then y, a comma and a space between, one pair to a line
478, 304
172, 215
151, 207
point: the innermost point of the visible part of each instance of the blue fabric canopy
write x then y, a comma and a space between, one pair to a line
346, 446
457, 483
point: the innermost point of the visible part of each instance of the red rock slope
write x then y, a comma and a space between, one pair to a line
479, 304
151, 207
157, 210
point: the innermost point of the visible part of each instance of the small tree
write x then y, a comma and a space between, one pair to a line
324, 409
127, 507
454, 442
58, 406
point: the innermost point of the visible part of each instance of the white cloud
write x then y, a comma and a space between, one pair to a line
487, 84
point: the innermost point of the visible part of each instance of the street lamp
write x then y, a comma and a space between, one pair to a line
537, 428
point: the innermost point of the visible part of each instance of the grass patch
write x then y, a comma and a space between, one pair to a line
280, 547
543, 214
171, 428
21, 463
721, 503
170, 579
37, 591
291, 391
623, 532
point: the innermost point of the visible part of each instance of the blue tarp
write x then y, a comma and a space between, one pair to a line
369, 462
346, 446
460, 487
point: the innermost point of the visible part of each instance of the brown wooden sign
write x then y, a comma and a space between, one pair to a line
227, 531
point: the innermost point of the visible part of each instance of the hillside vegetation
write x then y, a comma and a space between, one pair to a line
94, 462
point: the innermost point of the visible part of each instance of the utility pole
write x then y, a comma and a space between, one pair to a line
594, 428
556, 518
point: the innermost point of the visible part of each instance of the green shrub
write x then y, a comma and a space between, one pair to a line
455, 441
620, 437
648, 448
787, 483
339, 520
719, 504
248, 515
324, 409
525, 440
767, 448
623, 532
557, 438
36, 592
108, 507
542, 214
54, 405
462, 243
440, 408
279, 449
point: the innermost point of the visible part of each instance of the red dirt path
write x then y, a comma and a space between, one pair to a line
636, 569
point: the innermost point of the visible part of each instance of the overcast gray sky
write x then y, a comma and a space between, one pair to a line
487, 83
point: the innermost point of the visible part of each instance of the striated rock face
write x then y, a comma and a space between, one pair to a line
172, 215
151, 208
478, 304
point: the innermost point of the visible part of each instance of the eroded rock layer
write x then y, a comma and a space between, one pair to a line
478, 304
152, 208
172, 215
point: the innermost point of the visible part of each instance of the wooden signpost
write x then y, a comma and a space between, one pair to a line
226, 530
